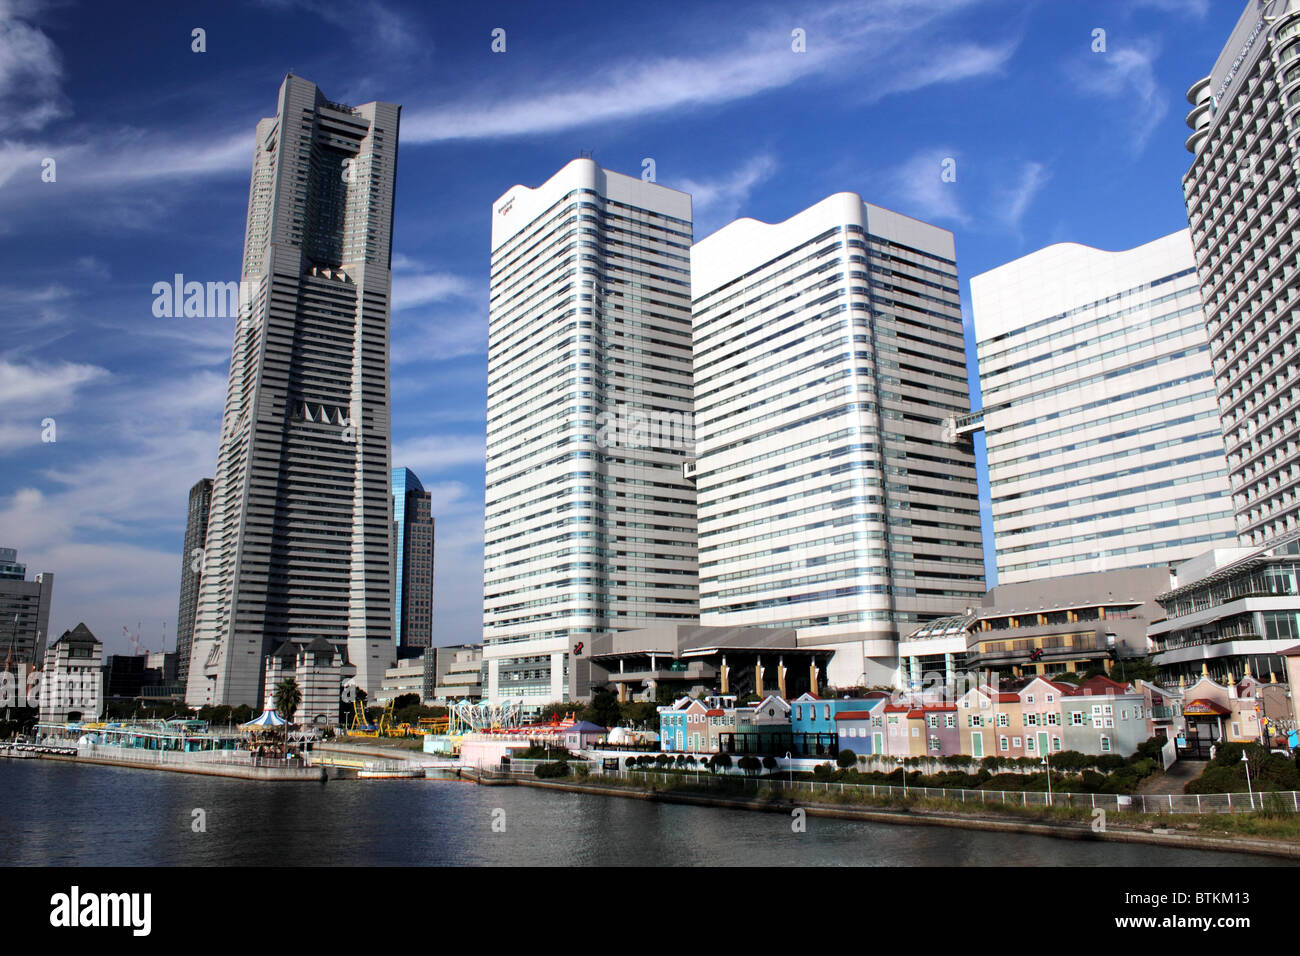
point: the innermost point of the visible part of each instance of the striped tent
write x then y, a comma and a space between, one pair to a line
269, 718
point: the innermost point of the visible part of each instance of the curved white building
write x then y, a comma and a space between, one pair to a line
1102, 428
829, 358
590, 521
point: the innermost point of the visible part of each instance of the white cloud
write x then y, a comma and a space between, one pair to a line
715, 202
50, 385
883, 47
411, 290
431, 454
920, 190
1197, 9
31, 72
438, 337
1016, 200
1128, 74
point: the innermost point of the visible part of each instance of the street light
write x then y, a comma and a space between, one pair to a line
1246, 762
904, 770
1049, 779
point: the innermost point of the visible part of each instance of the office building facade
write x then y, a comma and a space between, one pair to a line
1242, 208
24, 612
829, 357
413, 527
1102, 426
590, 521
196, 530
299, 541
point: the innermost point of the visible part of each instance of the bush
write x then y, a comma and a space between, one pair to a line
846, 758
750, 765
823, 772
769, 763
1110, 762
550, 770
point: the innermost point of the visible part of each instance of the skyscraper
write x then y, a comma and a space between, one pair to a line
196, 529
299, 542
590, 522
24, 612
1242, 207
829, 355
1104, 445
413, 544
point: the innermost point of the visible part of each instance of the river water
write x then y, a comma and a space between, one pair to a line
63, 814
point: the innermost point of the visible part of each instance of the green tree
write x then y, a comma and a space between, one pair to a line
287, 696
603, 709
846, 759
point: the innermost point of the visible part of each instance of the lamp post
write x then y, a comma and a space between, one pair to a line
1048, 765
902, 767
1249, 789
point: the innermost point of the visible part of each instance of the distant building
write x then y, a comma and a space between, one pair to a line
299, 543
320, 670
405, 677
833, 501
457, 673
413, 536
590, 521
1232, 610
686, 658
1104, 444
72, 678
196, 531
24, 612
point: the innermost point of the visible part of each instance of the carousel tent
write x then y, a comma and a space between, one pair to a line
268, 719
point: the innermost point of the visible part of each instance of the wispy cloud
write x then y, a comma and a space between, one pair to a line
717, 201
434, 453
415, 289
920, 189
439, 336
1197, 9
1015, 199
885, 47
1127, 74
31, 71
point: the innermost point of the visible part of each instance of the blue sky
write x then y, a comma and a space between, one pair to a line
152, 144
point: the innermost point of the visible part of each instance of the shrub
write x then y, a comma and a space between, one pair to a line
769, 763
823, 772
845, 759
549, 770
1110, 762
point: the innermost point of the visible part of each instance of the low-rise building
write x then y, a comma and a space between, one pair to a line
1230, 609
683, 726
320, 670
72, 678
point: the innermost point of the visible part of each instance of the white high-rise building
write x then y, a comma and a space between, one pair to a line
590, 520
1104, 444
1244, 215
299, 539
829, 361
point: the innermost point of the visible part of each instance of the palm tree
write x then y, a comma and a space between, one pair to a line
287, 697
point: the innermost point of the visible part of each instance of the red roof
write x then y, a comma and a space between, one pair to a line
715, 712
897, 708
939, 707
917, 714
1103, 685
854, 715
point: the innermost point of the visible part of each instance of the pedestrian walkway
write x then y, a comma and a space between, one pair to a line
1174, 779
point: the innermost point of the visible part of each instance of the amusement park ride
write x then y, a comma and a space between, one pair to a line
463, 717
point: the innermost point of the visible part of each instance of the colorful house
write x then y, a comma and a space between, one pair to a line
942, 736
862, 731
1040, 716
983, 719
813, 721
683, 726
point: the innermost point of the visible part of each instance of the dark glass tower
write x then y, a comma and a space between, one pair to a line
413, 546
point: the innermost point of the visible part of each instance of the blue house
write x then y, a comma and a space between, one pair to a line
813, 721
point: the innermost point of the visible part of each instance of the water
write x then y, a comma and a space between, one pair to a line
62, 814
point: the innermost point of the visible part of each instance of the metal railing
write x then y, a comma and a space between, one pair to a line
1287, 801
